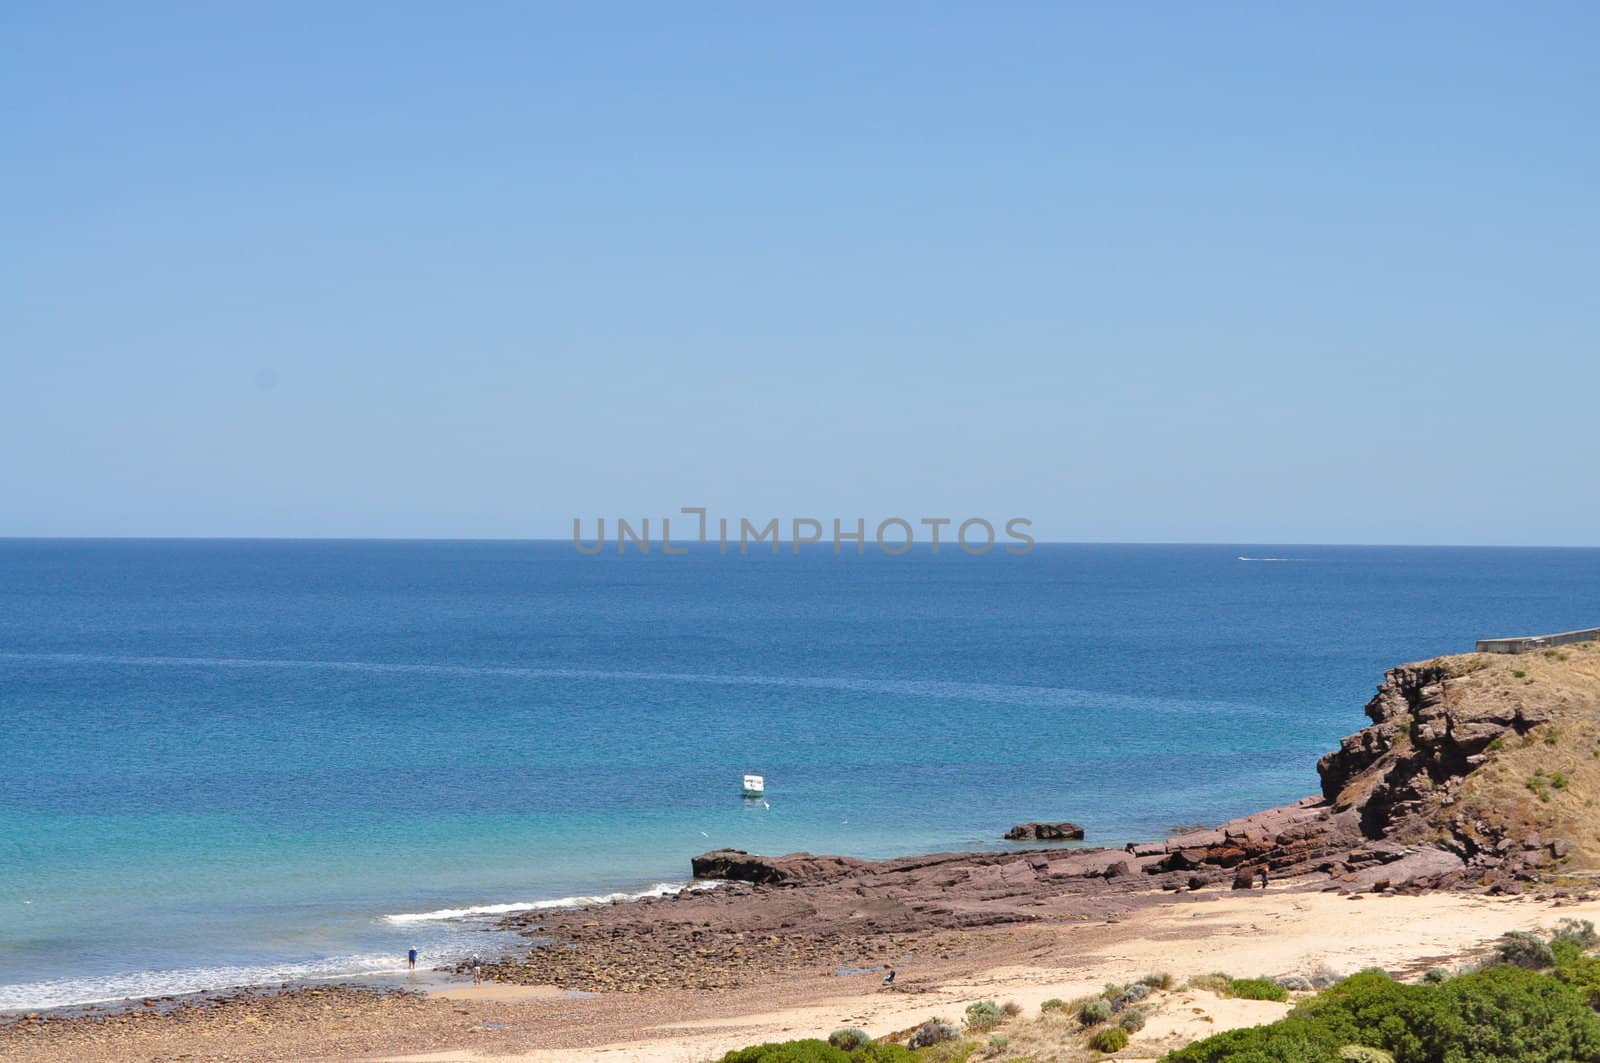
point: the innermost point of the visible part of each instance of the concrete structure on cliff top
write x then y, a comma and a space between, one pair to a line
1525, 643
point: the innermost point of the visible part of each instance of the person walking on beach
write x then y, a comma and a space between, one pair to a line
1263, 876
411, 960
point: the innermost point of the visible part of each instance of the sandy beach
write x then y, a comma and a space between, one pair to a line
1277, 932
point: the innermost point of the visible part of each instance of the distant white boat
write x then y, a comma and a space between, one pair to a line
754, 786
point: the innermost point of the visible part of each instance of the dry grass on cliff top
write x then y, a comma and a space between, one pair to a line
1544, 779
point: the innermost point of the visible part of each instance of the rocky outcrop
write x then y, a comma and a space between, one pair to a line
1421, 741
736, 865
1045, 832
1415, 776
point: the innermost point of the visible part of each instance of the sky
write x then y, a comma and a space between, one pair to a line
1260, 273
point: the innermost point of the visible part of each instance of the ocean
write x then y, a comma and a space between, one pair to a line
238, 762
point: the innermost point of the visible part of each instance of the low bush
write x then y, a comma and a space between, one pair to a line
1435, 975
813, 1051
1131, 1020
1364, 1054
1519, 948
1130, 996
1280, 1042
1565, 953
984, 1015
1580, 972
849, 1039
1160, 980
1011, 1008
1511, 1013
1053, 1004
1217, 982
1579, 932
1256, 989
1500, 1014
1111, 1039
1323, 977
1092, 1012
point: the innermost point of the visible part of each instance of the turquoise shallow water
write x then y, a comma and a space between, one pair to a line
229, 762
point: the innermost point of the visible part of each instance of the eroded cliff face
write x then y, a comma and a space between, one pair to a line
1492, 758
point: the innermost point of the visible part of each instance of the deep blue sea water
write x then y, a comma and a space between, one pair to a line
229, 761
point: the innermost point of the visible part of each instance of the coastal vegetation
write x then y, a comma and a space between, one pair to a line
814, 1051
1255, 989
1533, 997
1499, 1013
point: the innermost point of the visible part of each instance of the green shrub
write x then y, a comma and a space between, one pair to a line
957, 1051
984, 1015
849, 1039
999, 1041
1053, 1004
1411, 1021
1579, 932
1111, 1039
1279, 1042
1094, 1011
883, 1052
1581, 973
1511, 1013
1435, 975
1132, 1020
1500, 1014
1160, 980
1256, 989
813, 1051
1364, 1054
1217, 982
1522, 949
1130, 996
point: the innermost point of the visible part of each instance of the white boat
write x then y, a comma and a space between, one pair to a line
755, 786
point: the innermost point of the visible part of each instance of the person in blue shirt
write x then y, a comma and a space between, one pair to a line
411, 960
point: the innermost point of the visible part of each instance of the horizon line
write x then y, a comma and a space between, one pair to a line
780, 542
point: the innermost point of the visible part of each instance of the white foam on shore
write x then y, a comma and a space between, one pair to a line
74, 992
660, 889
135, 985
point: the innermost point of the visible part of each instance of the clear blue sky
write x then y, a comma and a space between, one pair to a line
1263, 273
